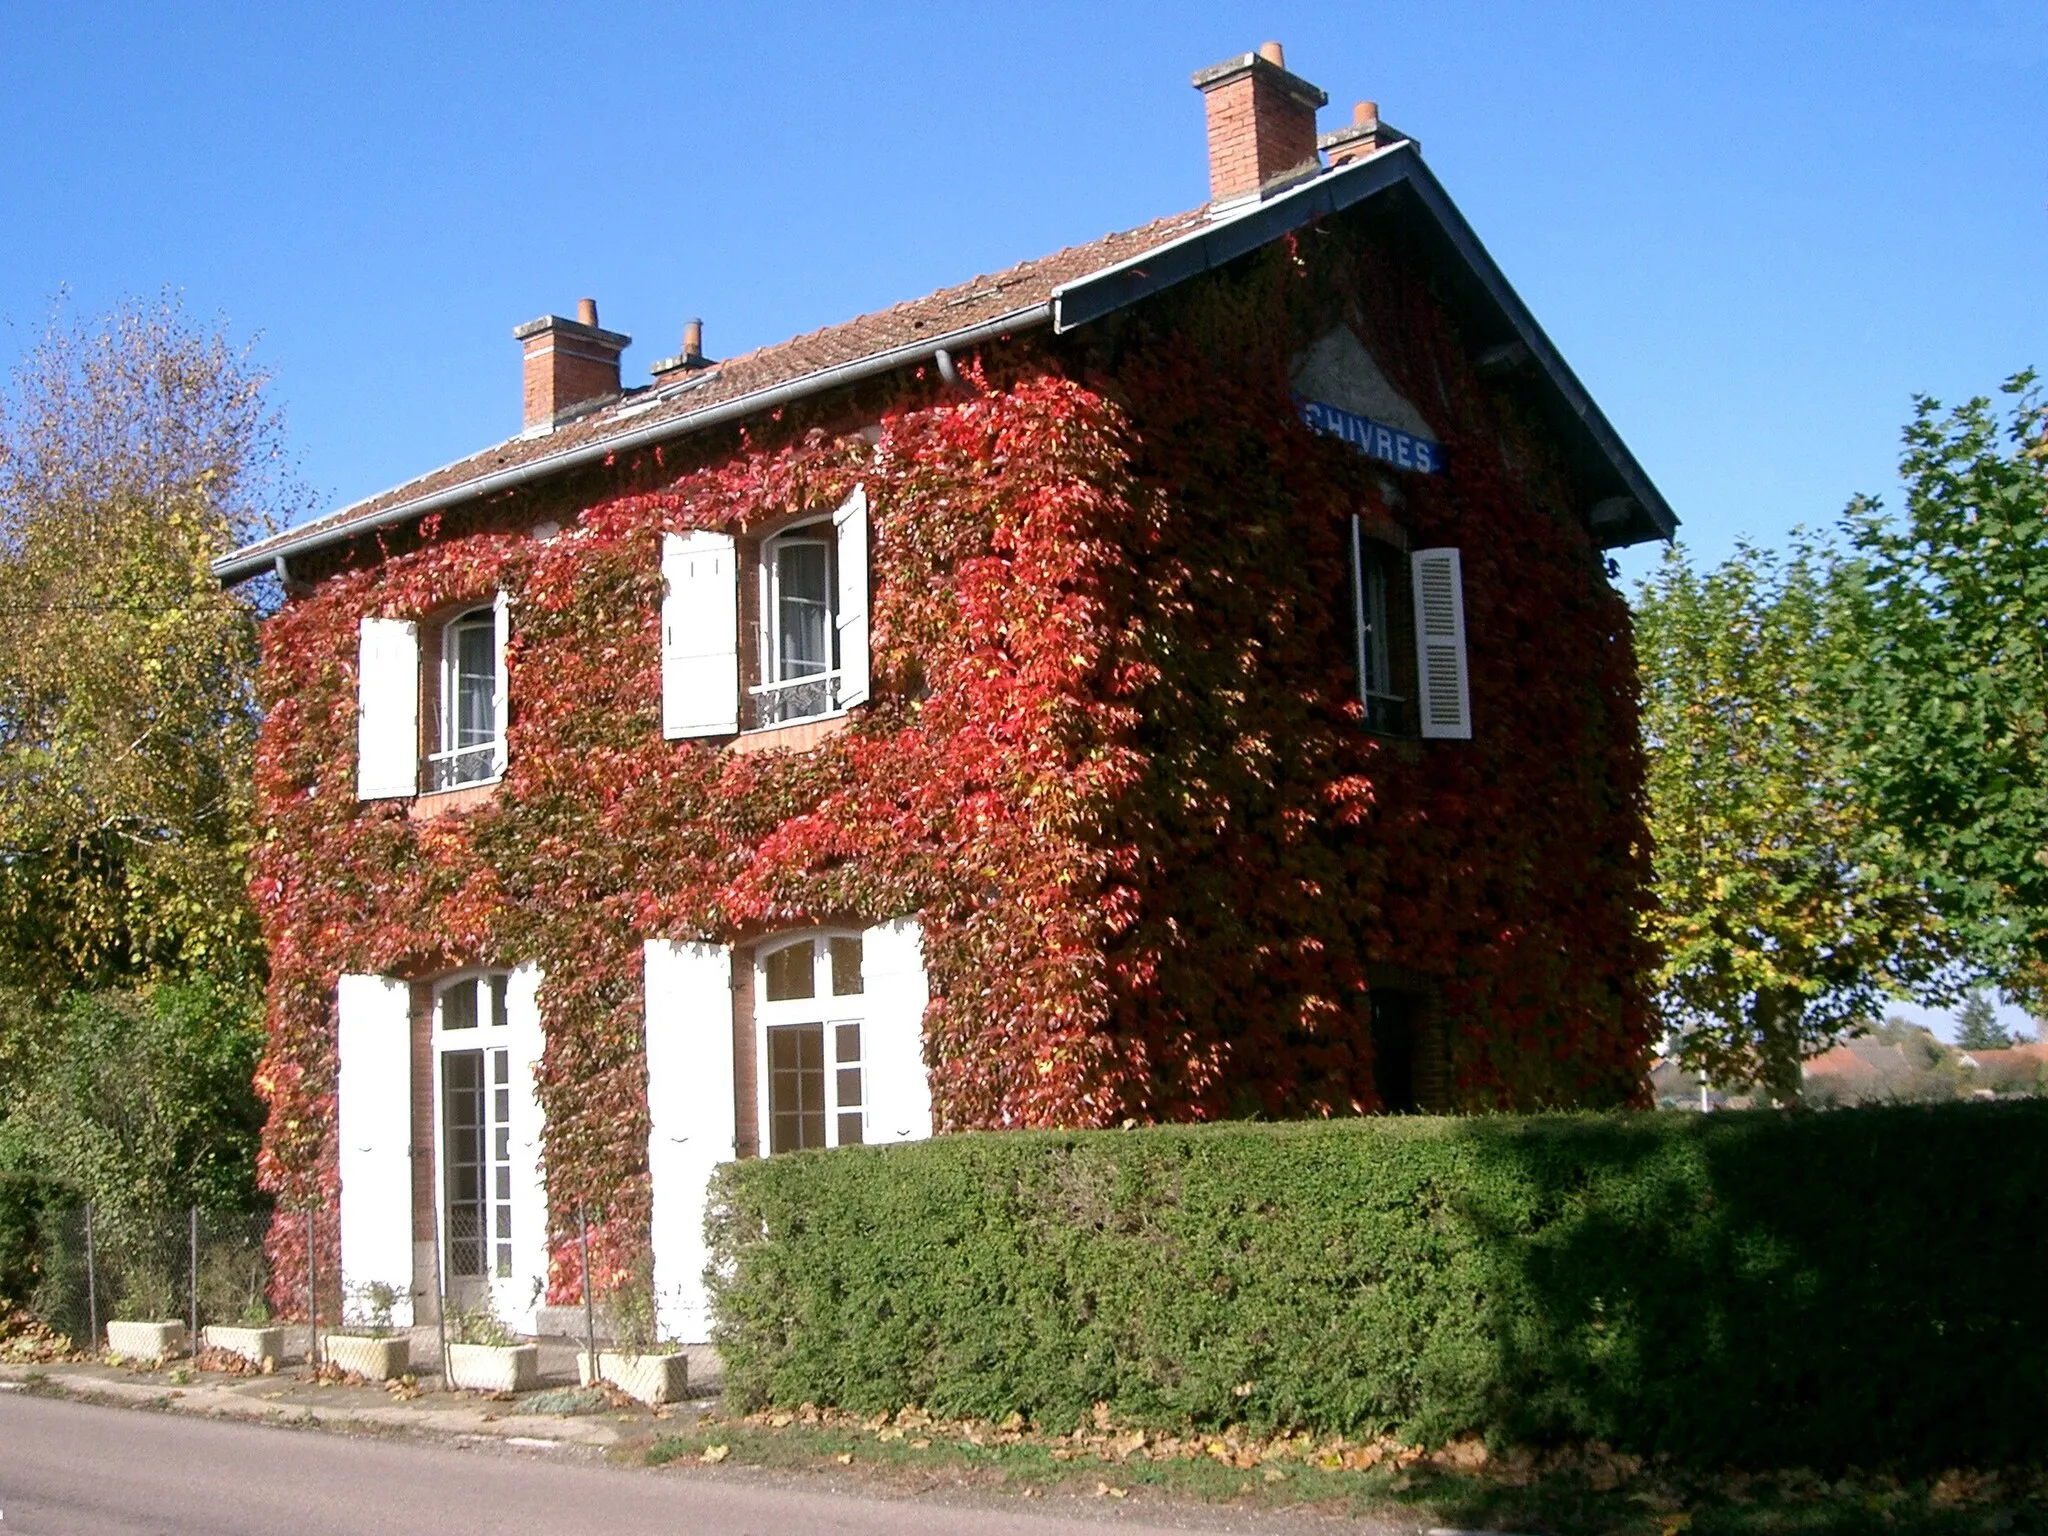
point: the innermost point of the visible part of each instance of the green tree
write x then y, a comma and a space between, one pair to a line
1977, 1027
142, 1099
1952, 690
1783, 911
133, 449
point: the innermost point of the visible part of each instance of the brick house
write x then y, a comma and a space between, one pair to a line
1173, 678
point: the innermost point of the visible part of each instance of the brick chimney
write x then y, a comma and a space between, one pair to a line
1365, 135
569, 365
1262, 124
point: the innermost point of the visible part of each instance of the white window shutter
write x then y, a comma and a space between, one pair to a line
516, 1296
851, 524
892, 1043
501, 610
700, 653
373, 1016
1440, 644
692, 1122
387, 709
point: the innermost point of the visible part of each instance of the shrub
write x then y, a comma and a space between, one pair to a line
29, 1205
1756, 1288
142, 1099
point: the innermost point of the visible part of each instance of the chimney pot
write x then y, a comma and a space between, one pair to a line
1364, 135
569, 366
689, 360
1262, 123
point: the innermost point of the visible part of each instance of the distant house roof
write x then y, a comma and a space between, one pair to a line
1857, 1061
1065, 290
2027, 1056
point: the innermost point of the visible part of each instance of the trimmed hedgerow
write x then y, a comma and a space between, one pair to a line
1857, 1288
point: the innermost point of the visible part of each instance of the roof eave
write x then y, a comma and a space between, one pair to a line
264, 555
1239, 233
1646, 516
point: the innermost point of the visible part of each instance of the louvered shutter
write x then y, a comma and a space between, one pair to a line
700, 660
1440, 644
501, 611
387, 709
851, 524
691, 1119
517, 1295
373, 1111
892, 1043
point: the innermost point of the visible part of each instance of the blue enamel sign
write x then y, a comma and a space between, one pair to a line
1404, 450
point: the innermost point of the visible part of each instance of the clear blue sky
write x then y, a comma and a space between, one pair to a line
1755, 229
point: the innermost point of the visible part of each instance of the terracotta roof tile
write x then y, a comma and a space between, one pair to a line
934, 316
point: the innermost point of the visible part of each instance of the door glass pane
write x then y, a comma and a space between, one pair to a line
498, 1014
790, 973
847, 1081
501, 1131
846, 958
462, 1111
458, 1006
796, 1087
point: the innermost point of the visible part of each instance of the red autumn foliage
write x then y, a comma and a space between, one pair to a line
1114, 757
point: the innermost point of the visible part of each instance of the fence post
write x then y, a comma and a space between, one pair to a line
312, 1288
194, 1345
589, 1308
92, 1294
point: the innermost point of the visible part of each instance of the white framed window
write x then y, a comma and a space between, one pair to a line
1376, 574
473, 1052
813, 634
810, 1027
473, 700
799, 628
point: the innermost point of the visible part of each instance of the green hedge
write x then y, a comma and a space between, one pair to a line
1855, 1288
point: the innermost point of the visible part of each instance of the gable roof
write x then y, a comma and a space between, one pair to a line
1067, 289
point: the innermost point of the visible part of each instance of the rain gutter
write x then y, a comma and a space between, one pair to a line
255, 559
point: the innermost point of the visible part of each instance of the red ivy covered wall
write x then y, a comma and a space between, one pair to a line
1114, 756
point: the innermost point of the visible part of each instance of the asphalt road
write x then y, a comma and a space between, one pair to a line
73, 1469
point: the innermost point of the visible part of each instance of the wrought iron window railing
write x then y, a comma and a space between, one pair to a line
458, 766
794, 699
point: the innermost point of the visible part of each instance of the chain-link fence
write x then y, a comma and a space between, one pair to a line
84, 1269
81, 1266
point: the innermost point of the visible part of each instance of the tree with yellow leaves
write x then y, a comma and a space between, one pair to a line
1786, 912
133, 449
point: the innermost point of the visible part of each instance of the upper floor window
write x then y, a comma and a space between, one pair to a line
472, 749
468, 683
1408, 632
799, 630
808, 648
809, 1019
